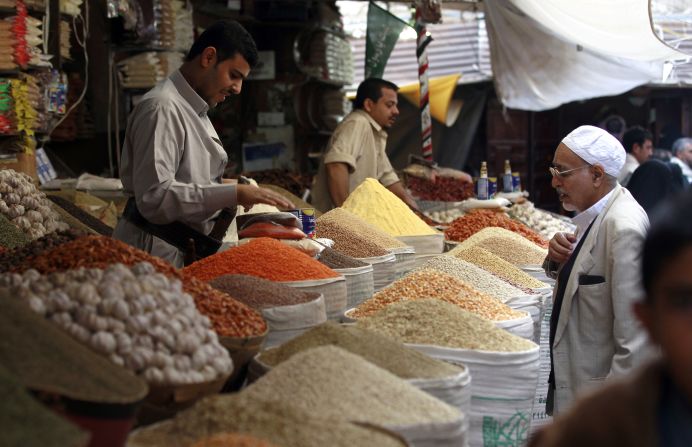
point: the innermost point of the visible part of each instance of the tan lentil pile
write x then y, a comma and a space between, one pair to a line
434, 322
431, 284
481, 280
375, 348
232, 440
498, 266
351, 234
278, 422
509, 246
333, 382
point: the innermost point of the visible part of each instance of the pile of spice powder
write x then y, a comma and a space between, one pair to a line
262, 257
499, 267
336, 260
375, 204
81, 215
324, 380
480, 279
260, 293
14, 259
10, 234
228, 316
276, 421
425, 284
508, 245
377, 349
434, 322
465, 226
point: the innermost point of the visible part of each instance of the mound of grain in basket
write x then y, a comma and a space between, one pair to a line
373, 347
425, 284
349, 231
333, 382
262, 257
228, 316
434, 322
509, 246
498, 266
465, 226
375, 204
259, 293
277, 421
480, 279
137, 317
337, 260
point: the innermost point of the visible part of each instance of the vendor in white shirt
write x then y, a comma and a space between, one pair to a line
638, 143
682, 156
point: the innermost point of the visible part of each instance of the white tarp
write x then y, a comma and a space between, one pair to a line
545, 54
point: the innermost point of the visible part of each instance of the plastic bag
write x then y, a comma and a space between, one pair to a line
287, 219
270, 229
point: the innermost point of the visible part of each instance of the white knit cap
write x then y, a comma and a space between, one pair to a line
595, 145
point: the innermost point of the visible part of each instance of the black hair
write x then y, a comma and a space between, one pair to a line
635, 135
229, 38
669, 235
371, 88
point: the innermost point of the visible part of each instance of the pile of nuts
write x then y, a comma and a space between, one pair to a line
138, 318
27, 207
541, 221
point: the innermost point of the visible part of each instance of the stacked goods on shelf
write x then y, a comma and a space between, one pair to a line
277, 421
26, 207
71, 7
229, 317
144, 70
274, 261
183, 27
447, 382
6, 42
20, 46
503, 366
541, 221
288, 312
136, 317
506, 244
441, 184
34, 39
465, 226
65, 34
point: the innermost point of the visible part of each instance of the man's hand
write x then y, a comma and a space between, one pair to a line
399, 190
249, 195
561, 247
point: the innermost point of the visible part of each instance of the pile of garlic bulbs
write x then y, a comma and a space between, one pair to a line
26, 207
135, 316
540, 221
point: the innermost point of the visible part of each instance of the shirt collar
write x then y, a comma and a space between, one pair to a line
372, 121
199, 105
631, 160
584, 219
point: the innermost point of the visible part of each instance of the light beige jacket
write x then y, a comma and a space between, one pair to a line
597, 335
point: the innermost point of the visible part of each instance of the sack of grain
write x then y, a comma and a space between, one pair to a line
521, 327
425, 245
287, 322
531, 304
383, 270
539, 417
405, 260
360, 284
333, 290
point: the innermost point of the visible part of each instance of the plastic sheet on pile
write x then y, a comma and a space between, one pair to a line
425, 245
503, 389
333, 289
384, 270
545, 54
360, 284
288, 322
521, 327
405, 260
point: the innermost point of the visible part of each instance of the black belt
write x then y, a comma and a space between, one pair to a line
192, 243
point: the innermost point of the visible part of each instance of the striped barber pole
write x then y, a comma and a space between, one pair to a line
422, 54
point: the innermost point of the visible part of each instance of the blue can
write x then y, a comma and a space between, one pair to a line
516, 182
492, 187
307, 219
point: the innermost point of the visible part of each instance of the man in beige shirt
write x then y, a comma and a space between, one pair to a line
173, 159
356, 150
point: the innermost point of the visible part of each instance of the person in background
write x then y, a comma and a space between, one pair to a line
682, 156
173, 159
638, 143
654, 181
356, 150
652, 407
593, 332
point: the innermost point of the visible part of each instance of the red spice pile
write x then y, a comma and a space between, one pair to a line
228, 316
262, 257
465, 226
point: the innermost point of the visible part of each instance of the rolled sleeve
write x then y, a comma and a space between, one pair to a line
335, 156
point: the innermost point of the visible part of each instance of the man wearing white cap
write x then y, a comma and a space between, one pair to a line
593, 332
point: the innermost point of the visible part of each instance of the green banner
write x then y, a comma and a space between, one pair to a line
383, 32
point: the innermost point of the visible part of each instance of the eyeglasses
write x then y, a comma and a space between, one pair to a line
562, 174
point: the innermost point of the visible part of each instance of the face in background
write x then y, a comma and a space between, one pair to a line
218, 80
577, 190
667, 316
384, 111
643, 152
686, 154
